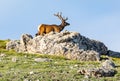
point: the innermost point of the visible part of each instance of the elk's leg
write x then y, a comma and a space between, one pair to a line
36, 34
57, 31
41, 33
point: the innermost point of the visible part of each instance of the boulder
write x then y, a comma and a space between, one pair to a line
42, 60
108, 64
13, 44
107, 69
113, 54
72, 45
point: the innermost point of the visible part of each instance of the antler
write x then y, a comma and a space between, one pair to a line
59, 15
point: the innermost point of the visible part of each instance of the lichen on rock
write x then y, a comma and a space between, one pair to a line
72, 45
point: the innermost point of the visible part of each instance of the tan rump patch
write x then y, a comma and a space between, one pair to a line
39, 27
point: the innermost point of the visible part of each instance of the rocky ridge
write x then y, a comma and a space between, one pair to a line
72, 45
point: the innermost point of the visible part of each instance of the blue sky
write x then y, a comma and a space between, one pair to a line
95, 19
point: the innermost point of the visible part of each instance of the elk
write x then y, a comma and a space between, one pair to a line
45, 28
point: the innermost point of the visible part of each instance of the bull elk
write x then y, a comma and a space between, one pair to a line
45, 28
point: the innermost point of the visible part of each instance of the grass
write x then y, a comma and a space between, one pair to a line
25, 68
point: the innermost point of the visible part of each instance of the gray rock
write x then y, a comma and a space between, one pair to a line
14, 59
14, 44
72, 45
25, 42
113, 54
42, 60
2, 54
108, 64
106, 70
26, 80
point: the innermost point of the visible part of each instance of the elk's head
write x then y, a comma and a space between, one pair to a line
63, 19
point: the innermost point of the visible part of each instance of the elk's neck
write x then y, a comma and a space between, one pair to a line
62, 26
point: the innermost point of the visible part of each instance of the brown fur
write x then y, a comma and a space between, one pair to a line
44, 28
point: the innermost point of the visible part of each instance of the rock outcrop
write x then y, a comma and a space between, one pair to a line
113, 54
72, 45
107, 69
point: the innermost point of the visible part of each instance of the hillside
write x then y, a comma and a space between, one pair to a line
43, 67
